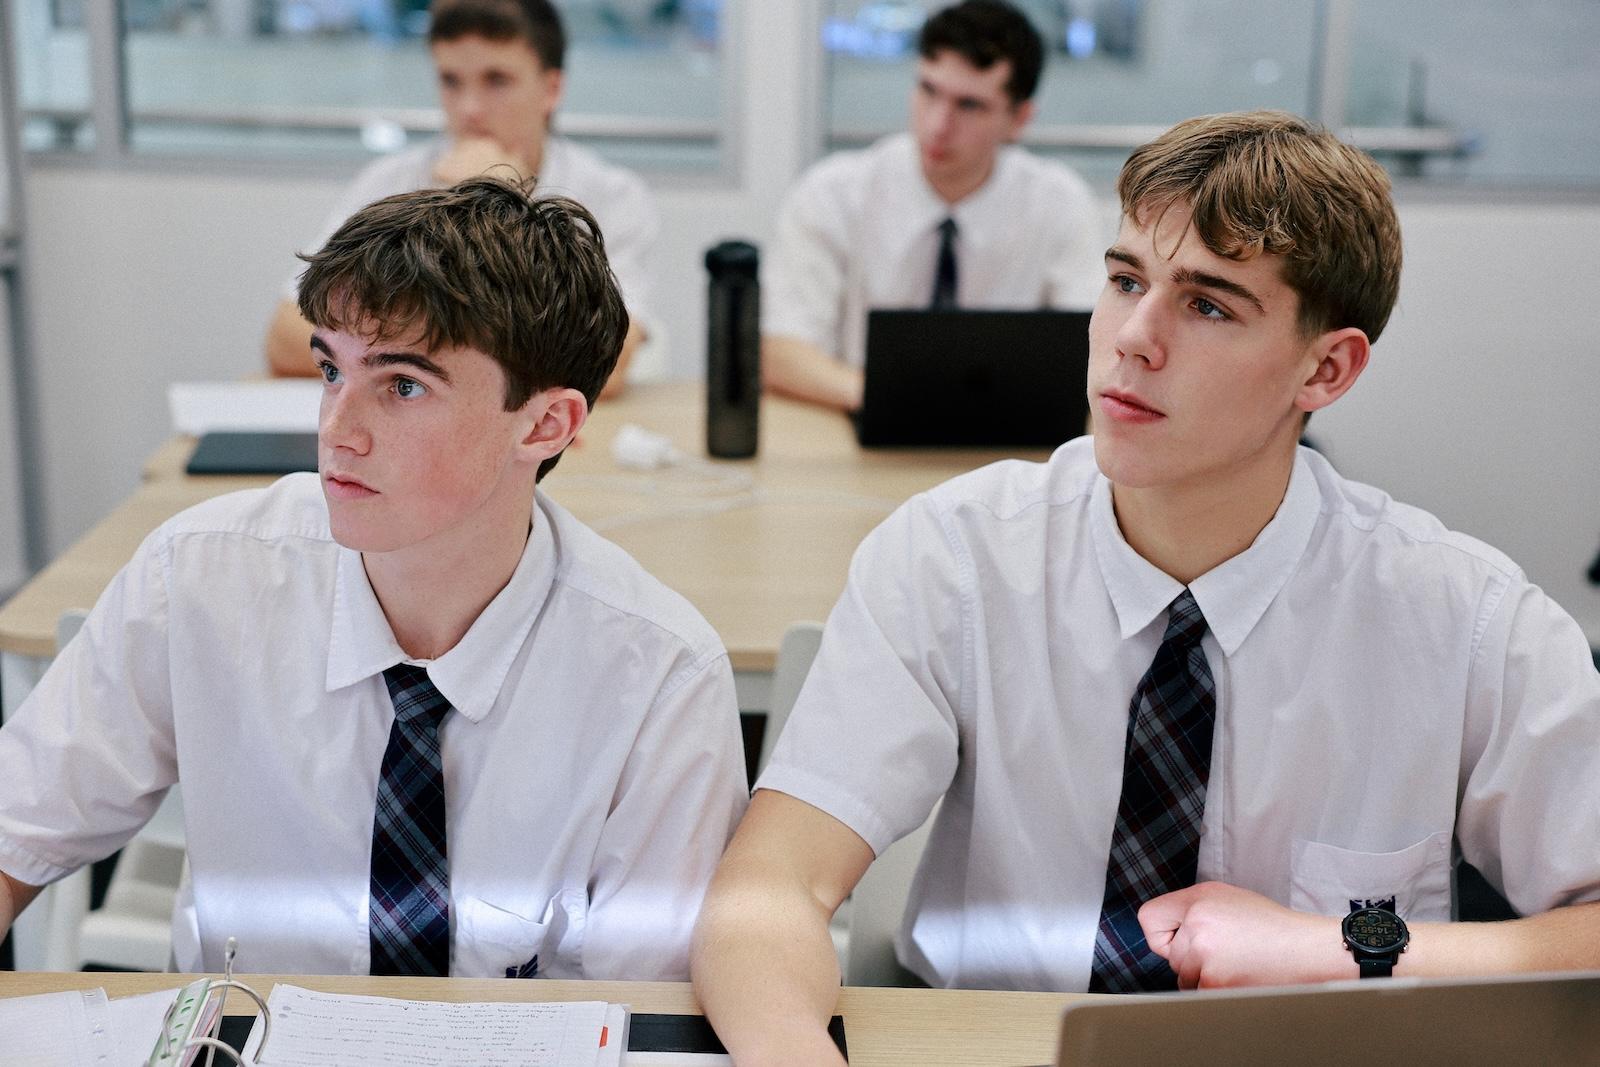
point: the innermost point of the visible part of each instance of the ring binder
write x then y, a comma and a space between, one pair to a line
198, 1008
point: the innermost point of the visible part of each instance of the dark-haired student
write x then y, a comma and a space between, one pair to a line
425, 721
1201, 711
501, 71
949, 214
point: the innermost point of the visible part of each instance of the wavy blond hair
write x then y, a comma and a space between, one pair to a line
1270, 182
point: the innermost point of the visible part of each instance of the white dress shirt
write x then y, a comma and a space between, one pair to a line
617, 198
593, 764
1382, 684
860, 230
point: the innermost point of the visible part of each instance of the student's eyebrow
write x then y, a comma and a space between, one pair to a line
1184, 276
406, 359
321, 346
1122, 255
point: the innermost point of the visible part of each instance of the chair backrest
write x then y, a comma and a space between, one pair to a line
876, 907
795, 653
68, 625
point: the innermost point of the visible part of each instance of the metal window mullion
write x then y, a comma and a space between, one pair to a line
1330, 81
108, 83
13, 289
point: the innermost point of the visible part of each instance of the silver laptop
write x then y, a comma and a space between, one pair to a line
1550, 1019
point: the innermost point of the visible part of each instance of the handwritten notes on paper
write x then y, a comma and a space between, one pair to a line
311, 1029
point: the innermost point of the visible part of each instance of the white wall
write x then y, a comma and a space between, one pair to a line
1482, 402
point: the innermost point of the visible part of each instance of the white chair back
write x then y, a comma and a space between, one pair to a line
795, 653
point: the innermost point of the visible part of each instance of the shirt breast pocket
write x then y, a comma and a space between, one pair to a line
496, 942
1327, 880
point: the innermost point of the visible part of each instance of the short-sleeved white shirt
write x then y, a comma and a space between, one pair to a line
617, 198
1382, 685
860, 230
593, 763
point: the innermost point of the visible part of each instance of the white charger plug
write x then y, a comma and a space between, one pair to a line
637, 448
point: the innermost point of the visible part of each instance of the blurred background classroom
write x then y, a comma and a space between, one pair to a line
163, 159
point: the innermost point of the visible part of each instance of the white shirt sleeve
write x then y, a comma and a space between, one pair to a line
804, 277
681, 794
630, 228
1530, 805
874, 736
386, 176
89, 756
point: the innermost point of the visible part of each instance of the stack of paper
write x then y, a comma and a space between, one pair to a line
311, 1029
257, 407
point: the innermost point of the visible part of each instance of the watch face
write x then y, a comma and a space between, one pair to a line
1375, 930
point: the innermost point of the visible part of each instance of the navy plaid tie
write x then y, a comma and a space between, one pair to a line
409, 911
1155, 847
944, 278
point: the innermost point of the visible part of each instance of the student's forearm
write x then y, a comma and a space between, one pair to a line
800, 369
1565, 939
14, 896
766, 974
1220, 935
288, 343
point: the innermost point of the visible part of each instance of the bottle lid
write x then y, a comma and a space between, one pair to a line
732, 259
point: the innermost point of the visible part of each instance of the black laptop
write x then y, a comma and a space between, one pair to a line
975, 378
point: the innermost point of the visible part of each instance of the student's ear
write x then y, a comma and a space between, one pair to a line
554, 418
1021, 115
554, 84
1336, 360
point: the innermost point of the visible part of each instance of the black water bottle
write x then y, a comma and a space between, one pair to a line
733, 350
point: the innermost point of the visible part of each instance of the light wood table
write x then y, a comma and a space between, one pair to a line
883, 1027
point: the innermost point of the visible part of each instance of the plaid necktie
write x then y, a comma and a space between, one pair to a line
409, 910
1155, 847
944, 278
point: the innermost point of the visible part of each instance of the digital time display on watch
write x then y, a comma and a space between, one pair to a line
1372, 928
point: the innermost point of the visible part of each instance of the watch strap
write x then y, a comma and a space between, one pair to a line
1375, 966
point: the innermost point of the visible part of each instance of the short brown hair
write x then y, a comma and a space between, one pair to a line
1269, 181
485, 265
536, 22
985, 32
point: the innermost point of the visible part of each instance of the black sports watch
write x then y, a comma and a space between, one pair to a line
1375, 937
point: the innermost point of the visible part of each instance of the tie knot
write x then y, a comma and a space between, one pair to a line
947, 229
417, 701
1185, 624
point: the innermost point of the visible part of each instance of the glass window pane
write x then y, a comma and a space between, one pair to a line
1520, 82
339, 77
1110, 62
52, 74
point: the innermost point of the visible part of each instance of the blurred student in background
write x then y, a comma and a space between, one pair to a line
949, 214
500, 65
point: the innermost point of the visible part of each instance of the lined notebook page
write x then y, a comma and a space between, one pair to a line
311, 1029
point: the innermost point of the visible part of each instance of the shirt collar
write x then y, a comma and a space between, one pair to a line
471, 674
979, 214
1234, 594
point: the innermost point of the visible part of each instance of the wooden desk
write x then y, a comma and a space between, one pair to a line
883, 1027
755, 544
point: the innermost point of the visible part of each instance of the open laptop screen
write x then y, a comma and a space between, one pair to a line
975, 378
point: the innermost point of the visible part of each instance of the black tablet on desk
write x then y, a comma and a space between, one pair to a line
228, 452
